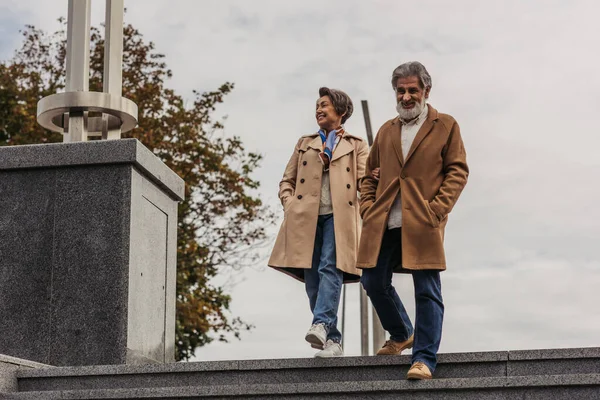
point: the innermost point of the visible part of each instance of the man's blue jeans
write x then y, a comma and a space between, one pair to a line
324, 280
428, 301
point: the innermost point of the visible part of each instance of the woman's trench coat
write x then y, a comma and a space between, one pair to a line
300, 193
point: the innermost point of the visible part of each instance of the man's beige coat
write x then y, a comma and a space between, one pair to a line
430, 181
300, 193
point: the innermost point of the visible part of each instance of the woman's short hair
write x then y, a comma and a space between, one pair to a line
340, 100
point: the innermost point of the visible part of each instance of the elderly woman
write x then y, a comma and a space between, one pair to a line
318, 239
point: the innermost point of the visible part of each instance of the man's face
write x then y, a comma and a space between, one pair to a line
327, 117
410, 97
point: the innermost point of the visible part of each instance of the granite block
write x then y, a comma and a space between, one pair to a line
152, 271
559, 387
383, 373
470, 370
106, 370
25, 364
89, 286
9, 366
97, 152
8, 378
360, 369
473, 357
78, 223
445, 358
554, 367
552, 354
27, 205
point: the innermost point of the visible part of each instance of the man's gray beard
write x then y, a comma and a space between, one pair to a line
407, 115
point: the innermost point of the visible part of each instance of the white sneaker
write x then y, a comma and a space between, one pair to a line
331, 349
316, 336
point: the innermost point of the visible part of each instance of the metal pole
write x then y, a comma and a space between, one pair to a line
364, 322
365, 108
364, 300
113, 59
343, 313
78, 64
378, 331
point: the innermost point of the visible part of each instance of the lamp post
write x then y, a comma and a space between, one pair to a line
78, 113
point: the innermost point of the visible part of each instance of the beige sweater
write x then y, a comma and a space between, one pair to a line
325, 204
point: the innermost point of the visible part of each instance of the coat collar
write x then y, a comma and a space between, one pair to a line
432, 117
316, 143
344, 146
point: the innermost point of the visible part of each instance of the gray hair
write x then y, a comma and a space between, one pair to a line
341, 102
412, 68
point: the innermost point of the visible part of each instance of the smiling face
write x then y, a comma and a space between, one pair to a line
411, 97
326, 116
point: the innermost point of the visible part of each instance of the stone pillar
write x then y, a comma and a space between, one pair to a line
88, 242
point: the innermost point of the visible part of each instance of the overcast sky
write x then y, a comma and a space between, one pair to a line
520, 77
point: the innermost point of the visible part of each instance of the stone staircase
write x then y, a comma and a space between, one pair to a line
529, 374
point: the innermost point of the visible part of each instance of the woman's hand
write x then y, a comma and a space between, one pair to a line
375, 174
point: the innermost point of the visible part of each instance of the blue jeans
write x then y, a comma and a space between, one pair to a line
428, 301
324, 281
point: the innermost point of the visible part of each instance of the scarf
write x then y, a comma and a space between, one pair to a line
330, 142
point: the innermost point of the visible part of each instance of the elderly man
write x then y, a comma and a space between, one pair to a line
416, 171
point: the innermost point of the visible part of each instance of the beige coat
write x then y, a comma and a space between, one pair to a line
430, 180
300, 193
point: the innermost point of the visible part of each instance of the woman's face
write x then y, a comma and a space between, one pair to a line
327, 117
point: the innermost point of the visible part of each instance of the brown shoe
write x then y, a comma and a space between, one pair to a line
393, 348
418, 371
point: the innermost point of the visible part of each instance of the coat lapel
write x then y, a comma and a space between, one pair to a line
316, 144
397, 140
423, 131
344, 147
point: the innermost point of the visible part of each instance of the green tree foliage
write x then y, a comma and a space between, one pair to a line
221, 222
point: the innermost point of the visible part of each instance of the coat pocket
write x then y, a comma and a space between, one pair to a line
287, 202
433, 219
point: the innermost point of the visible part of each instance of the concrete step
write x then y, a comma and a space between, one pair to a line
297, 371
555, 387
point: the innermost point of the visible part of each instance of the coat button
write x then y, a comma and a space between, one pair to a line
348, 169
299, 197
402, 176
348, 186
350, 202
302, 180
303, 162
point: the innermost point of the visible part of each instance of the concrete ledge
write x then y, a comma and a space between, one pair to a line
260, 365
97, 152
9, 366
361, 370
553, 354
539, 387
248, 365
554, 362
4, 359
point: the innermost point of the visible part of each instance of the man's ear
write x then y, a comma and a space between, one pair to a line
427, 92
